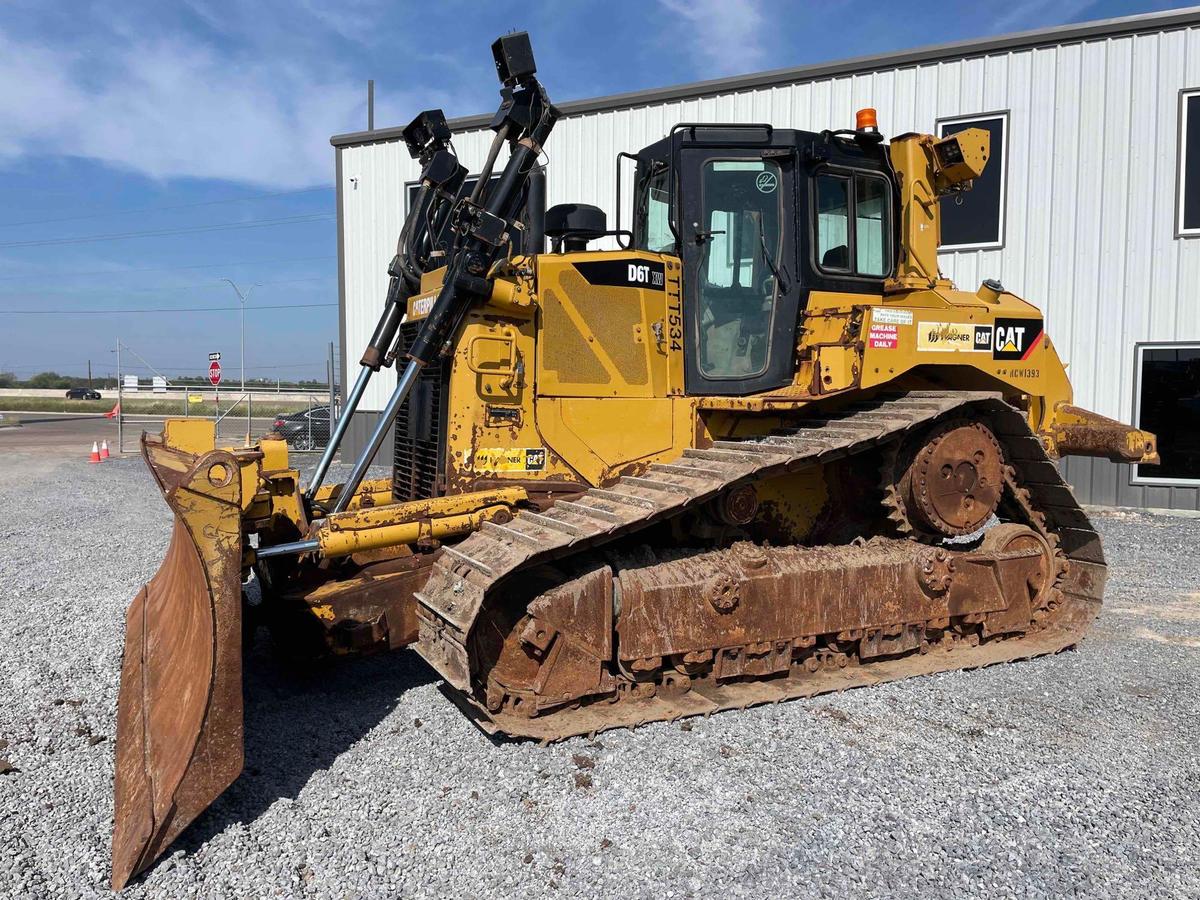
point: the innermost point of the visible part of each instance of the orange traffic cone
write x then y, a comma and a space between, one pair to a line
114, 412
95, 457
104, 449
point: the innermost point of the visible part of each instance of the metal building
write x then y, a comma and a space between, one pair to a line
1090, 207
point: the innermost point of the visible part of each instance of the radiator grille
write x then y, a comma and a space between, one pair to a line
418, 459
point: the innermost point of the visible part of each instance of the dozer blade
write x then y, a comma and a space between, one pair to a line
179, 713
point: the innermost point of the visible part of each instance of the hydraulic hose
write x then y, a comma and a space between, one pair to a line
372, 360
485, 174
405, 280
475, 247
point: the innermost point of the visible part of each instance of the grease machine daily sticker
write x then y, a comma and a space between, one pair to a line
510, 459
884, 333
883, 337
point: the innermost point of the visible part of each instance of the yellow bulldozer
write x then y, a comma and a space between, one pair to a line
762, 450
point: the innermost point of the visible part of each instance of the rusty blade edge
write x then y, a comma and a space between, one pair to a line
175, 757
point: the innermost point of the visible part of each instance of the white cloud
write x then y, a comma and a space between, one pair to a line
352, 20
725, 36
171, 107
1034, 13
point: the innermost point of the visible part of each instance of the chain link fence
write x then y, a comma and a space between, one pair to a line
304, 417
242, 417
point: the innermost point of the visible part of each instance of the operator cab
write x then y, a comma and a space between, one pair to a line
760, 217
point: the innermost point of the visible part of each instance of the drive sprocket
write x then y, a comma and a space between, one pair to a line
946, 482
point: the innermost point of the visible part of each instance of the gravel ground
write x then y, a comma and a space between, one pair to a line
1071, 775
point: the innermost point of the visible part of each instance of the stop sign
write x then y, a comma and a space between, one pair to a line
214, 373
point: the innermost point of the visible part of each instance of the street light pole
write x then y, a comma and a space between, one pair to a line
120, 411
243, 298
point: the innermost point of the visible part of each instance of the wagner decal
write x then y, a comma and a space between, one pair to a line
951, 337
887, 315
624, 273
946, 337
510, 459
1015, 338
883, 337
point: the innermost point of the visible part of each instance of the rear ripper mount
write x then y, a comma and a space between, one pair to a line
620, 624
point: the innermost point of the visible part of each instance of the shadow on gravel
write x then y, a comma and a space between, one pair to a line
299, 719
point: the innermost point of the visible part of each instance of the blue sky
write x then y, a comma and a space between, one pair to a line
206, 123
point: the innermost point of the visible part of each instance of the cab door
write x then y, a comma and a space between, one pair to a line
741, 293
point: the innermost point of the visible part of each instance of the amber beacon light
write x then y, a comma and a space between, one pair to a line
866, 120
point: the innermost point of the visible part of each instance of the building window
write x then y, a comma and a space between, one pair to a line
443, 237
974, 219
469, 183
863, 250
1167, 403
1189, 163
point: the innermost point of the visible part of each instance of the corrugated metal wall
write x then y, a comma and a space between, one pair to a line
1091, 157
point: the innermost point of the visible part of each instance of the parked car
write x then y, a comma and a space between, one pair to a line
304, 430
82, 394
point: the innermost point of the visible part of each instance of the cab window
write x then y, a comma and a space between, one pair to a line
853, 212
652, 224
737, 272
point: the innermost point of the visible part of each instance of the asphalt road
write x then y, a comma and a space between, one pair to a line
59, 434
70, 435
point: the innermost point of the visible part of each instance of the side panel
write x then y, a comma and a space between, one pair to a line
492, 435
968, 341
1004, 339
606, 325
572, 382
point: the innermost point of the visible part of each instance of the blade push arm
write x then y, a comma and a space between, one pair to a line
483, 227
442, 176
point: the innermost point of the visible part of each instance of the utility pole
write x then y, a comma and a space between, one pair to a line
242, 297
120, 409
371, 104
89, 374
332, 394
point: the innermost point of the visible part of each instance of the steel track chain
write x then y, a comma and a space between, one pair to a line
465, 575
